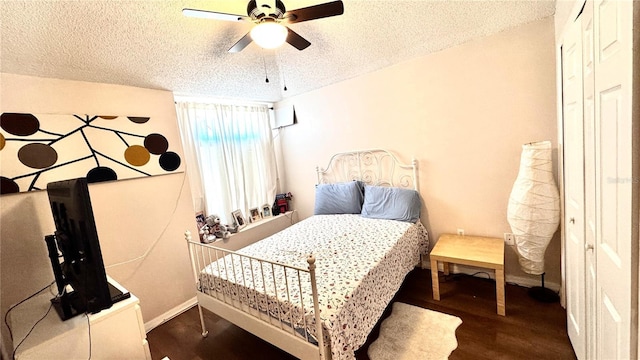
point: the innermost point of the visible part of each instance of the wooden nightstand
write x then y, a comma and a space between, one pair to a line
473, 251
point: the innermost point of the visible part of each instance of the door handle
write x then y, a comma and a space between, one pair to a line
572, 220
588, 247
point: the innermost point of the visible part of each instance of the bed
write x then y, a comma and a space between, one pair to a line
317, 288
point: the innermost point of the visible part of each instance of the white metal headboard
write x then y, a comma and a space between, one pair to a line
373, 167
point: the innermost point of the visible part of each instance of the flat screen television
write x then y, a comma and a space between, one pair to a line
75, 252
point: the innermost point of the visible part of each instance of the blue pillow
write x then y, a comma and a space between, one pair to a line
338, 198
391, 203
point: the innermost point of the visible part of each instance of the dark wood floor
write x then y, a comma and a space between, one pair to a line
531, 330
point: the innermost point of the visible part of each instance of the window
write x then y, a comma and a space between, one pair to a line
230, 156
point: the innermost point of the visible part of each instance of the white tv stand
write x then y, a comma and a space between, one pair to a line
116, 333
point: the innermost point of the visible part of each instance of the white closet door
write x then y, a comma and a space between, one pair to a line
613, 135
589, 177
572, 106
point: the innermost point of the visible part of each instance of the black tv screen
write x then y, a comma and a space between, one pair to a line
75, 252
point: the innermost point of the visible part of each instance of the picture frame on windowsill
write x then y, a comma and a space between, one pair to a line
266, 211
239, 219
200, 219
200, 222
255, 215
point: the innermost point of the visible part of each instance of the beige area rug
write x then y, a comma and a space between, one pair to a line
414, 333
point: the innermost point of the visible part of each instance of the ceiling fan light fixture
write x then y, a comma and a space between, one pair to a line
269, 35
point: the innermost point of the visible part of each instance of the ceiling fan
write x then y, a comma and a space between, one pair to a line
270, 17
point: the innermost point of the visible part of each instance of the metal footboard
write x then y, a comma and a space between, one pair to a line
263, 297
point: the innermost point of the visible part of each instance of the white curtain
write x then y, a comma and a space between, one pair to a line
230, 156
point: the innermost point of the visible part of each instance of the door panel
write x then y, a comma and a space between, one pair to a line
611, 329
589, 178
613, 133
573, 223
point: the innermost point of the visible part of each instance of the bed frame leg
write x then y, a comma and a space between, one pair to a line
205, 332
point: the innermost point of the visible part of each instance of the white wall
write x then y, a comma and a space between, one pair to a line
463, 113
131, 215
566, 12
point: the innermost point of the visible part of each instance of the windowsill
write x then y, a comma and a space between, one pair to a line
257, 231
264, 221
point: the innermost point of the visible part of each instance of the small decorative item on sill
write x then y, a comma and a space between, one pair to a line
266, 210
201, 224
232, 228
206, 237
200, 221
239, 219
255, 214
281, 205
213, 230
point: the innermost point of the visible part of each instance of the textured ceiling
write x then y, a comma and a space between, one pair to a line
151, 44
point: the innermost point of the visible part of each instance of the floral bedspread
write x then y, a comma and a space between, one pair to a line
360, 265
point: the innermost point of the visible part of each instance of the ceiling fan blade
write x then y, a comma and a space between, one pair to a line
205, 14
296, 40
315, 12
241, 44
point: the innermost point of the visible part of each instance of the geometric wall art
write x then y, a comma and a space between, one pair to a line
38, 149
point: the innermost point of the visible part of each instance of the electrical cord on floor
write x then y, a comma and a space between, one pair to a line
452, 277
482, 272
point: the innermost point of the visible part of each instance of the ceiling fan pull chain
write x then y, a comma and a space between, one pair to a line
284, 79
266, 76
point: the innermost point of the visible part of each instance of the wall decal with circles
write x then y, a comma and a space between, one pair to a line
38, 149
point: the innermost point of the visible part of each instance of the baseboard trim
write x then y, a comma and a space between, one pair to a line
512, 279
153, 323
